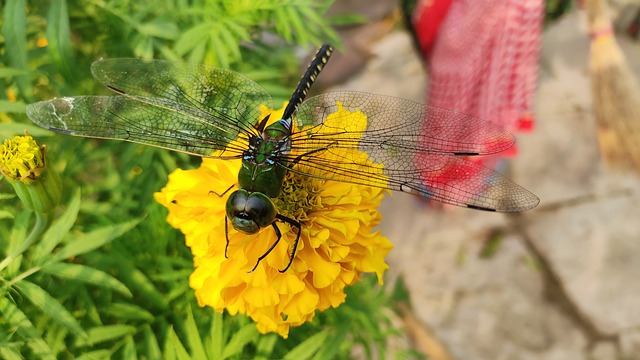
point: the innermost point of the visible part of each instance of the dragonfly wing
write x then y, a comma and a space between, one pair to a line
415, 147
149, 121
399, 124
231, 99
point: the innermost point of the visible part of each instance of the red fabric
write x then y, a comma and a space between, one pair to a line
482, 58
427, 17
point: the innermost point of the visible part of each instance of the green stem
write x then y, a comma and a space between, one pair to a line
42, 221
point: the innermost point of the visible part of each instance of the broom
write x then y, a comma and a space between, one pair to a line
616, 93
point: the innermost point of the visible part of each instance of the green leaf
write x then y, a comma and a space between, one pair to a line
59, 37
7, 196
106, 333
16, 319
8, 72
191, 38
237, 342
193, 337
217, 336
14, 29
331, 346
58, 230
50, 306
298, 27
125, 311
9, 353
12, 129
86, 274
265, 345
174, 347
96, 354
150, 346
129, 349
307, 348
7, 106
16, 241
5, 214
93, 240
160, 29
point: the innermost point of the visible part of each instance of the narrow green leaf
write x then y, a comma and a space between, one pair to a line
191, 38
93, 240
265, 345
14, 29
193, 337
86, 274
129, 349
230, 42
150, 346
126, 311
237, 342
4, 214
9, 353
221, 53
174, 346
299, 30
307, 348
57, 231
16, 319
7, 196
8, 72
197, 55
331, 346
106, 333
217, 336
95, 354
283, 27
59, 37
17, 238
50, 306
7, 106
12, 129
160, 29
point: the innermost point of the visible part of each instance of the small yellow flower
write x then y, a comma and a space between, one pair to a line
42, 42
336, 244
11, 94
21, 158
22, 162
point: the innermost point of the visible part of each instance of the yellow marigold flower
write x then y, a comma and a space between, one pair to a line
336, 244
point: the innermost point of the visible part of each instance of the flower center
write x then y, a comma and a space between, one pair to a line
298, 197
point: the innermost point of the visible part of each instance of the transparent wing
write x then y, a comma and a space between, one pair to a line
420, 149
189, 108
149, 122
229, 98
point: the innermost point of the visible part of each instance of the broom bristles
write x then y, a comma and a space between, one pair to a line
616, 93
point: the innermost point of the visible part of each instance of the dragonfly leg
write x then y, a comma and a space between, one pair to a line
226, 236
226, 191
299, 157
295, 243
279, 234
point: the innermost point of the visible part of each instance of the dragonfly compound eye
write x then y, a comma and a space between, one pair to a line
249, 212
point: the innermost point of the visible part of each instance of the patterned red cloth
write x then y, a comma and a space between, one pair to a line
482, 58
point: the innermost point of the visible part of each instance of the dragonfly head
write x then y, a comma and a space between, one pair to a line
249, 212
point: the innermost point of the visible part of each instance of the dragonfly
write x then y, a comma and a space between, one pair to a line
214, 112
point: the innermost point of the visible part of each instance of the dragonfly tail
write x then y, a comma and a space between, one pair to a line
309, 77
